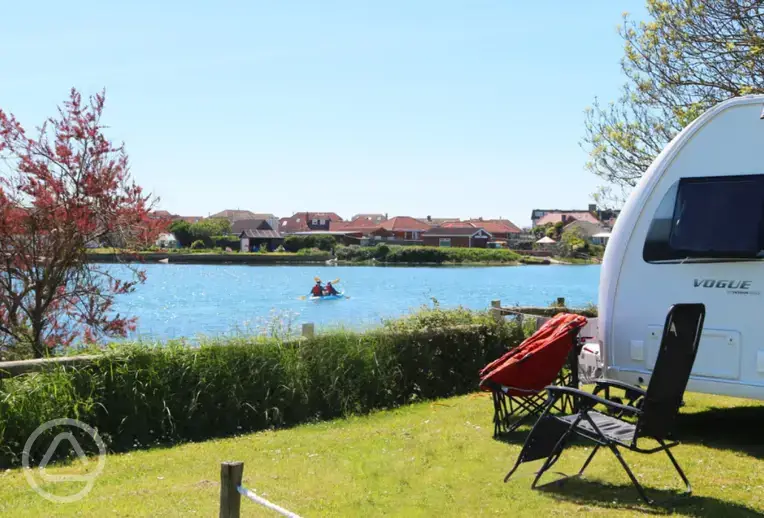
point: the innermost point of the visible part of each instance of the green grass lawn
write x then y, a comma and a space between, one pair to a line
430, 459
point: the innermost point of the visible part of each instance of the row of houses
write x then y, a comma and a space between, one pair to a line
255, 230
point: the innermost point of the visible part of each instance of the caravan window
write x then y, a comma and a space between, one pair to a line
712, 217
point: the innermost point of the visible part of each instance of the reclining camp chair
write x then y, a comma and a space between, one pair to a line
517, 379
655, 418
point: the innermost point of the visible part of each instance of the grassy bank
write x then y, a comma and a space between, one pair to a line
138, 395
426, 459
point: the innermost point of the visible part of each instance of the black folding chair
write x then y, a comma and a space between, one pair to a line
655, 409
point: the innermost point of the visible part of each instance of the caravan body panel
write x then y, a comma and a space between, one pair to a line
717, 158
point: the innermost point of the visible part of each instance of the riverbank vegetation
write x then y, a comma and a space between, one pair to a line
139, 395
431, 255
424, 459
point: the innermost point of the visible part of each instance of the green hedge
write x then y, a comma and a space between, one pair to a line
139, 396
426, 254
232, 242
297, 243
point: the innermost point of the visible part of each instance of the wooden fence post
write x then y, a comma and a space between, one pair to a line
496, 310
308, 330
230, 498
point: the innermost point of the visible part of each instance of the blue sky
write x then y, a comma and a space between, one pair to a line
444, 108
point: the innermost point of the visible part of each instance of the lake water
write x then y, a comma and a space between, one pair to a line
189, 300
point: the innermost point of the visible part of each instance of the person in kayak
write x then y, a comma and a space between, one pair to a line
330, 289
317, 290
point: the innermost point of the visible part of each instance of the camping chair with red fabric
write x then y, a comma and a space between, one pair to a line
517, 379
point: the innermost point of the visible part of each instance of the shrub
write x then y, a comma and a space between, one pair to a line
573, 242
223, 242
381, 252
311, 251
426, 254
198, 245
182, 232
141, 395
297, 243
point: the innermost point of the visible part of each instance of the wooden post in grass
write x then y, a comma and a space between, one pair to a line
496, 310
230, 498
308, 330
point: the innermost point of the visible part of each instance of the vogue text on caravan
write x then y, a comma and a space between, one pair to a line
693, 231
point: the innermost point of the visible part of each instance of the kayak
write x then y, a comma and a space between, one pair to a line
339, 296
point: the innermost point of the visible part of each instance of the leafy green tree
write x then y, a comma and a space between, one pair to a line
688, 56
205, 229
573, 241
182, 231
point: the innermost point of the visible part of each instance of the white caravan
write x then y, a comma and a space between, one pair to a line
693, 231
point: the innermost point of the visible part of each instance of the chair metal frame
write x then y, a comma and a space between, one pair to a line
534, 402
655, 409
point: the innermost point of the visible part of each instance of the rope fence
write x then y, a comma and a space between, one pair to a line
231, 491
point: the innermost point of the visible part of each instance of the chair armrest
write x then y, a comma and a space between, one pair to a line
591, 399
599, 384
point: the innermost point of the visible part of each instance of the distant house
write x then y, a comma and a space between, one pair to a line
402, 228
361, 225
167, 240
163, 214
375, 219
253, 235
462, 237
601, 239
237, 215
436, 222
500, 229
540, 217
241, 225
586, 228
160, 214
306, 221
233, 215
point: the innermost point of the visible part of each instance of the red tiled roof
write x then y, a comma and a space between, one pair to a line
403, 223
438, 221
299, 221
555, 217
492, 226
355, 224
360, 225
293, 224
369, 217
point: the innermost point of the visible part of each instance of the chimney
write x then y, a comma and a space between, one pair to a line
592, 207
429, 219
386, 218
